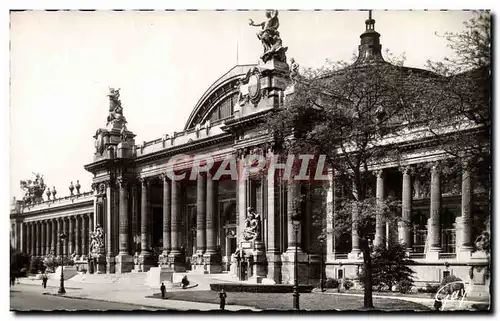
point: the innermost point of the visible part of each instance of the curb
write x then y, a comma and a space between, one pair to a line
110, 301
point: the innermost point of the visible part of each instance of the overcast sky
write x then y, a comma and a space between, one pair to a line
63, 62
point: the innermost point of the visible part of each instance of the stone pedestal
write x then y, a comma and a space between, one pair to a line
110, 264
124, 263
101, 264
288, 267
355, 255
212, 263
146, 261
274, 267
157, 275
197, 264
259, 268
177, 261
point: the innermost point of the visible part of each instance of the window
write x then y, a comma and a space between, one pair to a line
445, 274
340, 274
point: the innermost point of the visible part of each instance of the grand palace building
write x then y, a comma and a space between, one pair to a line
149, 206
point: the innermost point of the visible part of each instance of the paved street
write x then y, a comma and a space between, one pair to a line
24, 299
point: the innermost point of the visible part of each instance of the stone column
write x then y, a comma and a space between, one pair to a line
65, 231
38, 238
167, 210
379, 219
435, 213
48, 236
134, 230
43, 246
145, 257
406, 209
175, 256
108, 230
242, 198
124, 262
29, 238
85, 236
466, 246
24, 235
212, 257
330, 218
59, 230
78, 241
293, 193
99, 213
201, 216
71, 236
355, 251
273, 256
91, 223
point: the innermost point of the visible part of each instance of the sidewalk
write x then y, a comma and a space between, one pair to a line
466, 304
136, 296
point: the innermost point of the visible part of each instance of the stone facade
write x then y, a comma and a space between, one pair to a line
150, 219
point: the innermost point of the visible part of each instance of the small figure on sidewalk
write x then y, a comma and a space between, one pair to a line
222, 296
12, 280
185, 282
163, 290
44, 280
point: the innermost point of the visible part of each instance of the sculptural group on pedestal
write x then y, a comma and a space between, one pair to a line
252, 226
96, 241
115, 107
33, 189
270, 37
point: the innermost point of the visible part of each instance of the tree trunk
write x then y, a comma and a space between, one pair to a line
367, 267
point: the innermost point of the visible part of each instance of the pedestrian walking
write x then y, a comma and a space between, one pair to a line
12, 280
163, 290
222, 297
44, 280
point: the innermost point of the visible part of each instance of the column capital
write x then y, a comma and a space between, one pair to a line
379, 173
145, 181
406, 169
122, 182
435, 167
164, 177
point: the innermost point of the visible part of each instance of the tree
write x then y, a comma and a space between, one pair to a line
466, 101
462, 97
18, 261
390, 267
351, 114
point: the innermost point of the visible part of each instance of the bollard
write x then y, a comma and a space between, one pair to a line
222, 297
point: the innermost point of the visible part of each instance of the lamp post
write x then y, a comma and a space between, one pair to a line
321, 240
296, 296
62, 236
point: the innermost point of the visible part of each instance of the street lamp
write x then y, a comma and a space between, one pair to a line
296, 219
62, 236
321, 240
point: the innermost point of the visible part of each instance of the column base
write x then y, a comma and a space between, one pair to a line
110, 264
355, 254
274, 267
124, 263
213, 263
465, 253
288, 267
433, 253
146, 261
177, 261
259, 262
101, 264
